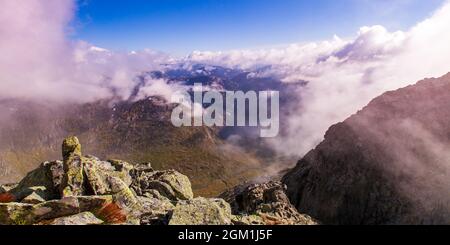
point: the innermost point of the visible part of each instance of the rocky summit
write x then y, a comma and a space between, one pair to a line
84, 190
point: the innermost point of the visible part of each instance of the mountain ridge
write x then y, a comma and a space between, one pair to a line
386, 164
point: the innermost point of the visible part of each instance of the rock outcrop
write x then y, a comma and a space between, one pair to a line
201, 211
85, 218
170, 184
264, 204
387, 164
84, 190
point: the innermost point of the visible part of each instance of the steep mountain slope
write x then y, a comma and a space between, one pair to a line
138, 129
134, 131
221, 79
388, 164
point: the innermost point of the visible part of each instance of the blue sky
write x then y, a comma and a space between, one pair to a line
181, 26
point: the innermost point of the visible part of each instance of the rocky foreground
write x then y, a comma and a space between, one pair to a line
84, 190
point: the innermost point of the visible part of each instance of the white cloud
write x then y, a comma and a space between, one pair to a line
39, 62
33, 45
344, 75
159, 87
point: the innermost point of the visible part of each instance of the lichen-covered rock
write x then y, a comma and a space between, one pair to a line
33, 198
281, 213
93, 202
7, 188
54, 209
155, 211
268, 202
122, 170
27, 214
73, 180
98, 174
71, 147
15, 214
201, 211
85, 218
247, 220
86, 190
90, 176
123, 195
46, 178
96, 181
170, 184
126, 199
247, 198
72, 184
78, 184
34, 192
142, 167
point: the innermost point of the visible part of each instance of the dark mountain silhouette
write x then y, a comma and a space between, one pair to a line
387, 164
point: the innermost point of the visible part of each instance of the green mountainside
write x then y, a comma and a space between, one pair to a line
136, 132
